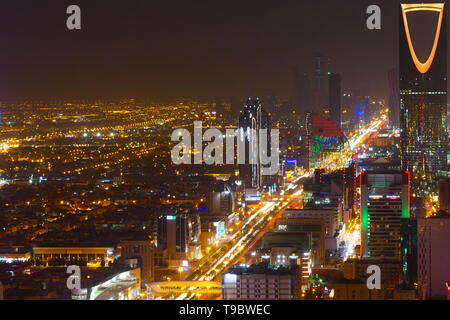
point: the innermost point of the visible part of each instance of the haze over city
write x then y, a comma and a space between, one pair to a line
239, 150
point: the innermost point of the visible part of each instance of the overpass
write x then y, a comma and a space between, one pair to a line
166, 287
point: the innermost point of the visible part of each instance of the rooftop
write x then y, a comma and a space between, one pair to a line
261, 268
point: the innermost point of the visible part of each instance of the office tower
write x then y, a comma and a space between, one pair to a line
330, 227
408, 251
320, 86
290, 227
335, 103
433, 246
177, 234
284, 248
221, 200
287, 249
144, 251
354, 104
384, 202
252, 118
423, 100
261, 282
394, 98
302, 93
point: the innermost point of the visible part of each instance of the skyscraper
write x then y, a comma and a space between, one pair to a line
409, 251
423, 100
320, 87
177, 233
384, 202
252, 117
335, 98
394, 98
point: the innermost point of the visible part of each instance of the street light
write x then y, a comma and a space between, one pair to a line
180, 270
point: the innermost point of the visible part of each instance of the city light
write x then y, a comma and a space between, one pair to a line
145, 170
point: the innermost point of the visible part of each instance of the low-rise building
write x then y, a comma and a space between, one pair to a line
261, 282
90, 255
346, 289
122, 284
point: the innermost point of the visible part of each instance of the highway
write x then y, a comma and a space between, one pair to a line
260, 220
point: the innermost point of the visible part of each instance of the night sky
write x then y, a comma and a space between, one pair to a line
169, 49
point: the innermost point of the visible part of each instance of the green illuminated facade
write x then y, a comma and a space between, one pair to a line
384, 203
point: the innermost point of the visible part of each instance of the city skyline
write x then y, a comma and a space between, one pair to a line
247, 151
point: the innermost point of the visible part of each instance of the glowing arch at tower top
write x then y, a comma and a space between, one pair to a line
437, 7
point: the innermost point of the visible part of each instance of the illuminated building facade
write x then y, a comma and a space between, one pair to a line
361, 114
384, 202
288, 228
92, 256
350, 184
423, 101
144, 251
123, 285
252, 118
177, 235
261, 282
221, 199
328, 145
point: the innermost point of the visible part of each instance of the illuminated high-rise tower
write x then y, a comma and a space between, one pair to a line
384, 203
423, 96
252, 117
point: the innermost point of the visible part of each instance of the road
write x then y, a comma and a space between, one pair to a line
260, 220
